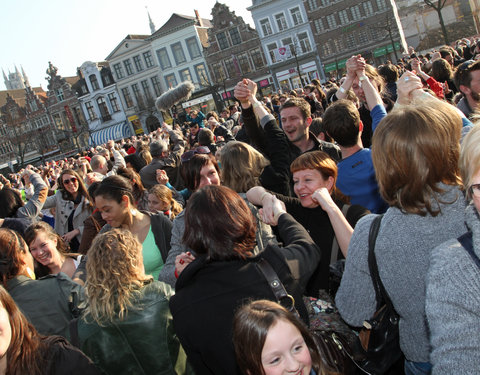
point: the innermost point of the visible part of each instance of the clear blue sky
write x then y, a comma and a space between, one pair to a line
70, 32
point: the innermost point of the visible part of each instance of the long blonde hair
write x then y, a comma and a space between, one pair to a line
114, 275
242, 166
165, 195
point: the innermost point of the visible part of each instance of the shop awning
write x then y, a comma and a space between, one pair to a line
114, 132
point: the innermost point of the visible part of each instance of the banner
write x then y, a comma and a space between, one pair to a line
282, 53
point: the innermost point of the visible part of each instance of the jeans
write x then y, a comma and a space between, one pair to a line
417, 368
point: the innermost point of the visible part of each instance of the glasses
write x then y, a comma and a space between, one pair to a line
187, 156
71, 180
475, 189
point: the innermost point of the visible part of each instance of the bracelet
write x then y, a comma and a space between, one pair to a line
342, 90
278, 214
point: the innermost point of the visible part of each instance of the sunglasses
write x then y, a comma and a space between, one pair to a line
71, 180
187, 156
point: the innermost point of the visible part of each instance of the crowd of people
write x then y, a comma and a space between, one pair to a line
146, 255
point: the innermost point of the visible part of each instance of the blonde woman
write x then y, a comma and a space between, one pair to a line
127, 327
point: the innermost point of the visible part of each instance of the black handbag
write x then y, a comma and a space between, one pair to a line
379, 337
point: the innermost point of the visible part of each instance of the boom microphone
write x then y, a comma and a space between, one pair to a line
183, 91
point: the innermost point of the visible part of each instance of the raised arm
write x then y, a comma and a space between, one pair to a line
35, 204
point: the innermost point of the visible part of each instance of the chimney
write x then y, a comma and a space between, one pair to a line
199, 20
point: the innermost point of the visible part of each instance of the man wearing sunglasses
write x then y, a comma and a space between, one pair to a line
467, 80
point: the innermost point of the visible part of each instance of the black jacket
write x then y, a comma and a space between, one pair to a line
209, 292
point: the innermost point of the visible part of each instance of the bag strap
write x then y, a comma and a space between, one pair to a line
381, 294
275, 284
466, 240
73, 327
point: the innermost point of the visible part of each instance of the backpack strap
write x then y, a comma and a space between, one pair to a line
466, 240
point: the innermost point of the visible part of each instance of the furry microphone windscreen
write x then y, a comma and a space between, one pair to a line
176, 94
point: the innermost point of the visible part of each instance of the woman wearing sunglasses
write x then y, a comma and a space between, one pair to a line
72, 207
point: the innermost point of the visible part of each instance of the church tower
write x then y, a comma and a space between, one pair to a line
152, 25
15, 80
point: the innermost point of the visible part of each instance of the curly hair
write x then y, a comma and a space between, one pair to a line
242, 166
114, 275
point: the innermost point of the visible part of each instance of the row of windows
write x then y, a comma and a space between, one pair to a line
137, 62
178, 53
140, 95
40, 122
281, 22
185, 75
350, 41
237, 65
103, 108
315, 4
344, 17
6, 148
301, 46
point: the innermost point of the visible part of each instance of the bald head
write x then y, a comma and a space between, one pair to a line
99, 164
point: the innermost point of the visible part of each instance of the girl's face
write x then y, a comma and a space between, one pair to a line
208, 176
70, 183
5, 331
113, 213
285, 351
157, 205
44, 249
305, 182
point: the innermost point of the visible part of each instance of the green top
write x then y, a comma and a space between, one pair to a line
152, 259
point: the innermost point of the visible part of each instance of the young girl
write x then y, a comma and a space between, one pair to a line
270, 340
50, 251
160, 199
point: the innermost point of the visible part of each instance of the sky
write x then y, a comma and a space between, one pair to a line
70, 32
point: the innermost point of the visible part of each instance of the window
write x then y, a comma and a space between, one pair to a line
107, 78
171, 81
178, 54
90, 111
138, 63
147, 56
312, 4
33, 105
127, 97
114, 102
118, 71
185, 75
339, 44
271, 51
243, 63
296, 16
287, 42
356, 12
128, 67
230, 68
94, 82
59, 95
325, 2
102, 106
351, 41
326, 49
304, 42
367, 8
146, 88
156, 86
218, 72
136, 92
319, 28
257, 58
381, 5
235, 36
331, 21
377, 34
281, 21
192, 46
342, 15
265, 26
163, 58
362, 37
222, 40
201, 74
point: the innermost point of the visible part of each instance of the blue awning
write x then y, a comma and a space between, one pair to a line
114, 132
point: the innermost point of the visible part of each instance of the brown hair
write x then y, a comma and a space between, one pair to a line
219, 223
190, 170
137, 186
441, 70
300, 103
82, 189
242, 166
250, 329
12, 246
342, 122
413, 150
